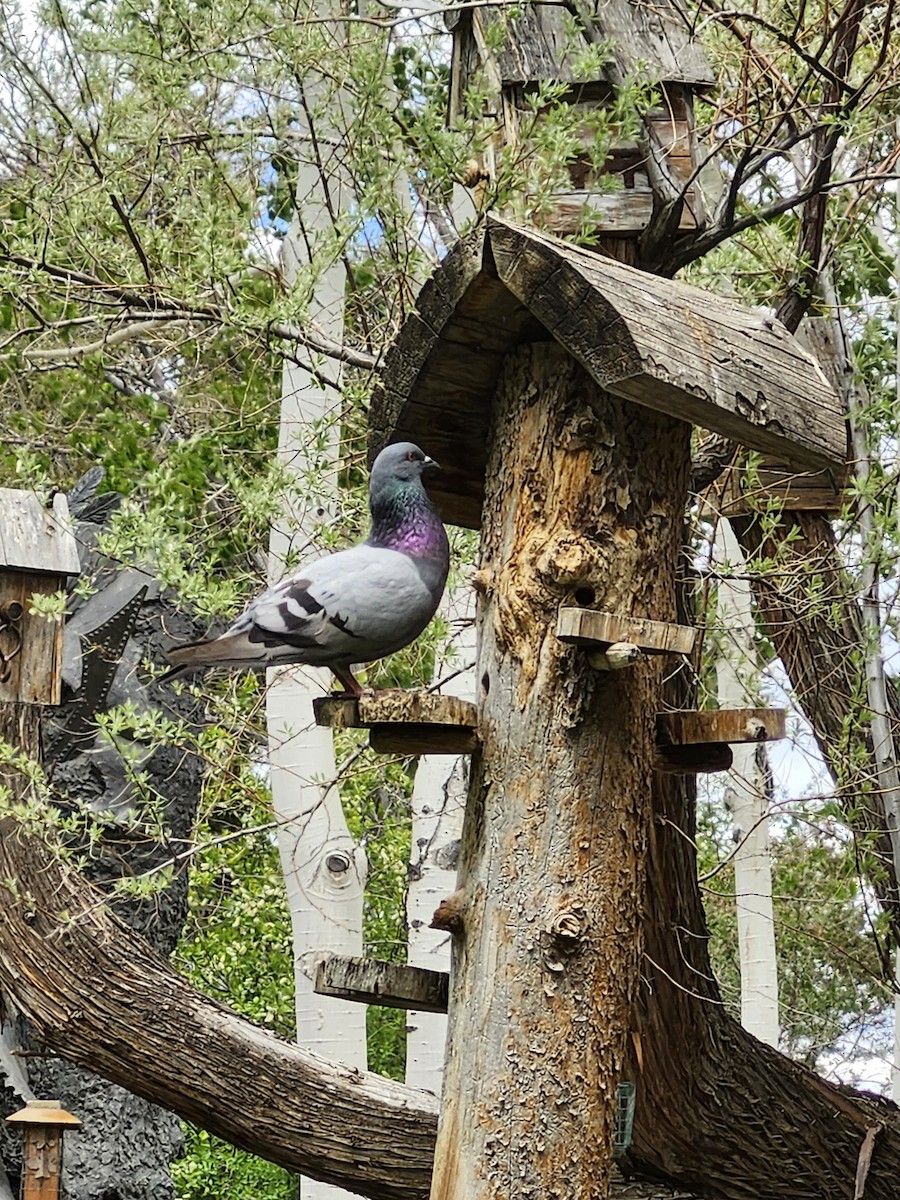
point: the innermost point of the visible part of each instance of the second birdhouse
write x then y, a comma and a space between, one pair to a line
503, 61
38, 553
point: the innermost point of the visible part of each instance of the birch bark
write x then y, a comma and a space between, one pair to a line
438, 804
324, 869
747, 799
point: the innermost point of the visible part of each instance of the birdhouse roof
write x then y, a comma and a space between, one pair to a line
34, 538
690, 353
647, 40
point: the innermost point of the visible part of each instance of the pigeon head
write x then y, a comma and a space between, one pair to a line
401, 463
403, 516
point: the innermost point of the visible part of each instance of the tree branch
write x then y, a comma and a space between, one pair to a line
98, 996
171, 308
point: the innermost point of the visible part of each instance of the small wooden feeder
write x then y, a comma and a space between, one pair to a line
693, 741
38, 553
504, 58
43, 1123
404, 722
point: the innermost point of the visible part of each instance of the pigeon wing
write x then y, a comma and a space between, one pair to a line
353, 606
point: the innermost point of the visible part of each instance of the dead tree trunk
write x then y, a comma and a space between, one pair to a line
583, 504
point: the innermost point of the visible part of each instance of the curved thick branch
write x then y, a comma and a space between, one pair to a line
98, 996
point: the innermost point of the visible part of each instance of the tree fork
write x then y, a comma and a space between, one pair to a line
584, 502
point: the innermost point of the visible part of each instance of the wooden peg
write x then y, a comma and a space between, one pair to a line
720, 726
601, 630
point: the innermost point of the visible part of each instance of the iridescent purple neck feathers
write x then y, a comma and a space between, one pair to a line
406, 520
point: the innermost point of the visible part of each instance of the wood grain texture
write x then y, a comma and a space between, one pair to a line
35, 672
391, 985
394, 708
547, 962
588, 626
410, 723
34, 538
695, 727
661, 344
677, 349
538, 44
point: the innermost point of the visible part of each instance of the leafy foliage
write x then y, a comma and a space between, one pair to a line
153, 162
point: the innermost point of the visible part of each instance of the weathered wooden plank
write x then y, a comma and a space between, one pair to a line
393, 708
588, 626
676, 348
35, 672
741, 490
628, 210
646, 38
404, 722
391, 985
747, 488
663, 344
720, 725
35, 538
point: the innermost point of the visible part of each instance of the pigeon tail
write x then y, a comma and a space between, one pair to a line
226, 651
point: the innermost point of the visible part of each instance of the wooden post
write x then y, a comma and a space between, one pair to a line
583, 491
43, 1122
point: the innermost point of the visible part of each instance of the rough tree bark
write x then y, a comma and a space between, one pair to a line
583, 504
716, 1110
148, 1030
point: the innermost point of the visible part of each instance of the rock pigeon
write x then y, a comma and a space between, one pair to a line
353, 606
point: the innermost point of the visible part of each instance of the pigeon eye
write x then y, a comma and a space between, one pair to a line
412, 456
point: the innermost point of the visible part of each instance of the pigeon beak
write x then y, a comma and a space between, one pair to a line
429, 462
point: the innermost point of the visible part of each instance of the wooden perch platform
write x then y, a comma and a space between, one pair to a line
404, 722
693, 760
726, 726
392, 985
660, 343
589, 627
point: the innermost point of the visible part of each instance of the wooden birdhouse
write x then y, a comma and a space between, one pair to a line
38, 553
503, 59
657, 342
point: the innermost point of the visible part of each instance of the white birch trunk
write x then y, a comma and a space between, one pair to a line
324, 869
438, 805
747, 800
